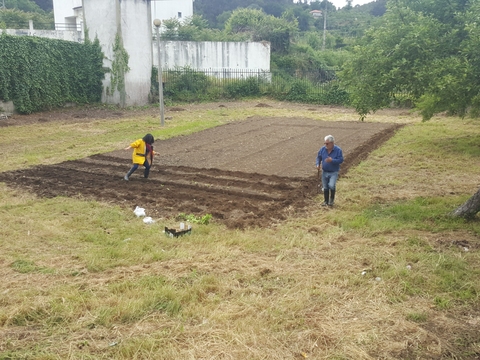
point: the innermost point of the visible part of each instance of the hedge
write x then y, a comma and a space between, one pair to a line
40, 74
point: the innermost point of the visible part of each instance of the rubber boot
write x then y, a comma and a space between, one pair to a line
332, 198
130, 172
146, 172
326, 197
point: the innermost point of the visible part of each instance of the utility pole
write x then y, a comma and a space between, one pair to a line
157, 24
324, 25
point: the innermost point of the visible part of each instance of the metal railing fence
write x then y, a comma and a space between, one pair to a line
315, 80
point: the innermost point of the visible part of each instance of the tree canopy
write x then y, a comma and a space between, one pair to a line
426, 49
24, 5
212, 9
46, 5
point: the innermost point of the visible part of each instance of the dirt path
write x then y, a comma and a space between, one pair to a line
248, 173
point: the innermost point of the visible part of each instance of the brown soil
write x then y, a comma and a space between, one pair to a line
249, 173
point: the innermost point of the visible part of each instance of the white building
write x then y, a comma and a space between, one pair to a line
68, 14
172, 9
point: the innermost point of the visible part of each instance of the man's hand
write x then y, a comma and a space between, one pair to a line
328, 159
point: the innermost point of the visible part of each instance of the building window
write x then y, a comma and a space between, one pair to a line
179, 14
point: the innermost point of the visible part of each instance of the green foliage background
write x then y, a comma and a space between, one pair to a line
38, 73
189, 85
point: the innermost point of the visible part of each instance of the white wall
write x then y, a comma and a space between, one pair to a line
75, 36
131, 20
213, 55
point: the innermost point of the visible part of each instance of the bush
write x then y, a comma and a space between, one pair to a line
39, 74
186, 85
315, 87
243, 88
298, 91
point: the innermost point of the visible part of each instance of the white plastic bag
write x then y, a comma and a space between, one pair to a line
139, 211
148, 220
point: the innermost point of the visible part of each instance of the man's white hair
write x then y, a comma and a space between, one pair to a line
330, 138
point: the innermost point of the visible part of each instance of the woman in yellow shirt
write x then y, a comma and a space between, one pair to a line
142, 155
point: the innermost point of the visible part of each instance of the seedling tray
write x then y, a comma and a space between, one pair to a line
176, 233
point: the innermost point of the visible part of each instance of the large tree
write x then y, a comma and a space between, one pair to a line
211, 9
24, 5
262, 27
46, 5
427, 49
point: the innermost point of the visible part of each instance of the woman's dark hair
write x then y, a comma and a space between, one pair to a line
149, 139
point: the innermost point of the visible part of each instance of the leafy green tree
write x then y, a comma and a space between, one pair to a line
24, 5
426, 49
275, 9
378, 8
244, 21
46, 5
212, 9
347, 22
320, 5
222, 19
262, 27
300, 14
194, 28
17, 19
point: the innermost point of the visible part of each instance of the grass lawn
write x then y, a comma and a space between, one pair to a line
386, 274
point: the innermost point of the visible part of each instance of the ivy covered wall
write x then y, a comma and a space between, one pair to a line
39, 74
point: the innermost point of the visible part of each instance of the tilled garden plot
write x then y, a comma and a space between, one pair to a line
248, 173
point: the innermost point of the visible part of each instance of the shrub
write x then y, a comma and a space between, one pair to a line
298, 91
186, 85
243, 88
39, 74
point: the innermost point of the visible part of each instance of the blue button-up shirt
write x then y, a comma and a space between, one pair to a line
336, 155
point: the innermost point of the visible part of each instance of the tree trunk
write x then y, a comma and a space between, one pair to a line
470, 208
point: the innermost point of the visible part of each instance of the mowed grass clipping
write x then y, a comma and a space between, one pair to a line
385, 274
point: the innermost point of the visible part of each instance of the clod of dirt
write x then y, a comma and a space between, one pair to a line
176, 109
80, 115
263, 105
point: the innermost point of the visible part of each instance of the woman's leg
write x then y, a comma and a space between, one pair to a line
147, 169
131, 171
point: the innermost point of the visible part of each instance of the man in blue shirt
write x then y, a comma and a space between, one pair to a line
330, 156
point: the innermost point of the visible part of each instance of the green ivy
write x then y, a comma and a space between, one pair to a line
119, 68
39, 74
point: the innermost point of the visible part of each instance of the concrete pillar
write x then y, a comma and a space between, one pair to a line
124, 29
